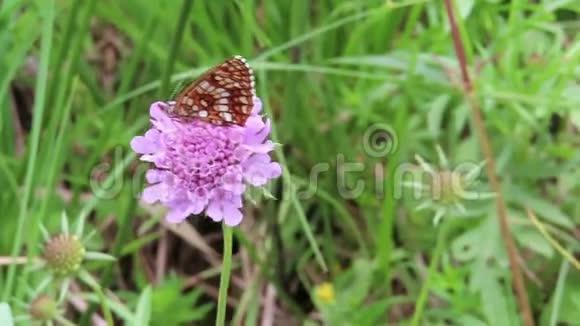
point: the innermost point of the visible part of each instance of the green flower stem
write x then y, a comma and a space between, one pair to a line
94, 285
106, 276
225, 277
440, 245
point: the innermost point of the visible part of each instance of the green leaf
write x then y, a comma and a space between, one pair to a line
370, 314
5, 315
543, 208
466, 246
533, 240
567, 311
493, 300
470, 320
575, 117
170, 306
354, 286
143, 314
94, 255
436, 112
465, 7
139, 243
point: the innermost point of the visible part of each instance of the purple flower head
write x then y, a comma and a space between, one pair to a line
200, 167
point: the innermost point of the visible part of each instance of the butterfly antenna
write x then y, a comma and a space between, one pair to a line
176, 89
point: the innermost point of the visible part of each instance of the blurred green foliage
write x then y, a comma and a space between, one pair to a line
77, 78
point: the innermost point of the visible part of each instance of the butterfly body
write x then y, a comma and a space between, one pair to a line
224, 95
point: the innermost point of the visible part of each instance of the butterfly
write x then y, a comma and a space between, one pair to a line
224, 95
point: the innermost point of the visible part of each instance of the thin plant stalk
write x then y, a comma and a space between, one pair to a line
225, 277
490, 169
424, 293
48, 11
184, 14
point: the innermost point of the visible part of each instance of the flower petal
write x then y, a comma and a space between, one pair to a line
256, 131
154, 176
197, 207
149, 158
257, 105
198, 201
266, 147
237, 188
274, 170
177, 215
232, 215
232, 181
259, 170
143, 145
181, 208
159, 117
214, 211
154, 193
140, 145
157, 110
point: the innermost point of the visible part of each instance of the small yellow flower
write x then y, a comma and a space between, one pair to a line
324, 293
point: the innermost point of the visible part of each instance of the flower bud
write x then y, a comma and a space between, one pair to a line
64, 254
43, 308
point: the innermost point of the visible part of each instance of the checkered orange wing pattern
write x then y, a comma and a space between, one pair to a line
224, 95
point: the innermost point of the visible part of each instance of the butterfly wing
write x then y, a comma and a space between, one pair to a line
223, 95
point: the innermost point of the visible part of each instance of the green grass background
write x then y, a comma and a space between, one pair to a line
76, 82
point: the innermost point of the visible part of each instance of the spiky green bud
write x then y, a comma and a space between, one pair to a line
43, 308
447, 187
64, 254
